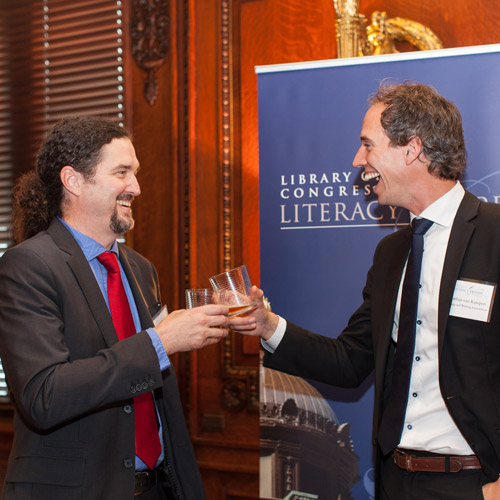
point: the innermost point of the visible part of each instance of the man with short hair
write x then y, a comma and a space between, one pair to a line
436, 423
97, 409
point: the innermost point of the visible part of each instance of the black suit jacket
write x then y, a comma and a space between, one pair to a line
469, 351
71, 380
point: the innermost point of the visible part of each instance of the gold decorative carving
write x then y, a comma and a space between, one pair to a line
384, 31
355, 38
351, 28
149, 34
346, 9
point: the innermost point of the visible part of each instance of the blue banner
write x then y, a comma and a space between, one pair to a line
319, 220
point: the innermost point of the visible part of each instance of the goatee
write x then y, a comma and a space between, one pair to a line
120, 226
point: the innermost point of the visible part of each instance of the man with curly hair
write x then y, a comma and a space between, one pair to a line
97, 410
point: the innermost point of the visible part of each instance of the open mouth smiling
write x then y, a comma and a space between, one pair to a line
368, 176
124, 203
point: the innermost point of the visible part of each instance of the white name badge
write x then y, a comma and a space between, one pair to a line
473, 300
160, 315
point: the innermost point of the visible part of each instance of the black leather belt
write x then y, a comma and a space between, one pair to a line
145, 481
432, 463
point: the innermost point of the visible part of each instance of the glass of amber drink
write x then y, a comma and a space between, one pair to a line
236, 286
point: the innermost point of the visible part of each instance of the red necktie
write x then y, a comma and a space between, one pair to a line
147, 442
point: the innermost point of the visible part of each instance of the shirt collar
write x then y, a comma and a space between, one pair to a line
444, 209
90, 247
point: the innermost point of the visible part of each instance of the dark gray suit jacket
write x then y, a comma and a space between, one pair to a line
469, 351
71, 379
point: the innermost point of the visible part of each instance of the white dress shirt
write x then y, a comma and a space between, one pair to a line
428, 425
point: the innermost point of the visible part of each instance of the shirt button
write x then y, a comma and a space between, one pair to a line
417, 358
409, 427
419, 322
414, 394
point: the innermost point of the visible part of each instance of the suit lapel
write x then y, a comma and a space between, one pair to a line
460, 236
395, 258
399, 254
85, 277
133, 273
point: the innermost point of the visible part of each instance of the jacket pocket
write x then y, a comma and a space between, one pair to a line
46, 470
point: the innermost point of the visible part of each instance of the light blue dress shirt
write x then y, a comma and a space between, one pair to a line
91, 249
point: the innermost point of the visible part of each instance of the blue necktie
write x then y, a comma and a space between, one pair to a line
390, 429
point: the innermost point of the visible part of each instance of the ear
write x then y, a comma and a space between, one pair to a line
71, 180
413, 149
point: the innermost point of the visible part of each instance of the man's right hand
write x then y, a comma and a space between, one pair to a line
188, 329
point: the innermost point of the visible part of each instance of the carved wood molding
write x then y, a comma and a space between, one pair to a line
149, 36
227, 131
240, 383
184, 160
241, 389
184, 121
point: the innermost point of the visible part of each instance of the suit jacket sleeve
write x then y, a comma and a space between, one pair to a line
347, 360
344, 362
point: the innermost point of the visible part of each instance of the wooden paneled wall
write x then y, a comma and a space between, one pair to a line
198, 148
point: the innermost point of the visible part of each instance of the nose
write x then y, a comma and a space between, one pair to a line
360, 158
134, 187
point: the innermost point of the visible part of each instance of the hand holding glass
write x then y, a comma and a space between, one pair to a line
237, 288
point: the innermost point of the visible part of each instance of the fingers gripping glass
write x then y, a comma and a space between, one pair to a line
237, 288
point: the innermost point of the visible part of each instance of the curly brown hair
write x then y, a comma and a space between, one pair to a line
414, 109
38, 195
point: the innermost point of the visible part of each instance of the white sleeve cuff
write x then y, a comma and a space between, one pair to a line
274, 341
